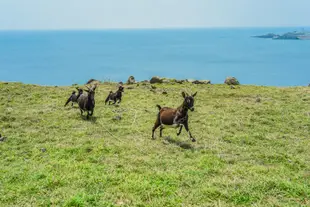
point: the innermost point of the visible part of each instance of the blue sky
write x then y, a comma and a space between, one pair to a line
104, 14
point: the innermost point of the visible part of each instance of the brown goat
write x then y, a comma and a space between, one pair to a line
175, 117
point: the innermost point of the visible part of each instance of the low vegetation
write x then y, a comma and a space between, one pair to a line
252, 148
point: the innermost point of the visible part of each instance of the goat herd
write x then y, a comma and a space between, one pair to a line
173, 117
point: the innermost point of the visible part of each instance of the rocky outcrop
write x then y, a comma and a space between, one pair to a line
156, 79
231, 81
131, 80
180, 81
201, 82
198, 81
169, 80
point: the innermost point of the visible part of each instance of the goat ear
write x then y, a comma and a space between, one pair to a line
194, 94
183, 94
86, 90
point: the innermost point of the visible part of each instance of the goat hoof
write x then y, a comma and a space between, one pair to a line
193, 140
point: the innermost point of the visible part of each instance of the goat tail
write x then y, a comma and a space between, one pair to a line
158, 106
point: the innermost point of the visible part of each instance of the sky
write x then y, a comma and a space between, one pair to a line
126, 14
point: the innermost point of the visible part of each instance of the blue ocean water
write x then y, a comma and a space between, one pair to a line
67, 57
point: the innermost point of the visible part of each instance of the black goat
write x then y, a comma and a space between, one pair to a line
115, 96
87, 101
73, 98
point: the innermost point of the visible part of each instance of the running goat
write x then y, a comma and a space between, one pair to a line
73, 98
117, 96
175, 117
87, 101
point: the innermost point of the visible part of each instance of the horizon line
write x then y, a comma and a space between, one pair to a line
148, 28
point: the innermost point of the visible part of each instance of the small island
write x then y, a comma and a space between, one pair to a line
286, 36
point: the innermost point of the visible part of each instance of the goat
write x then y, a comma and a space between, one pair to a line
73, 98
115, 96
87, 101
175, 117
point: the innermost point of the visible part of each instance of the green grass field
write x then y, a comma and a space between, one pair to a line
247, 153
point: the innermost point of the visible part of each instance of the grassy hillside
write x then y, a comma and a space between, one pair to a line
247, 152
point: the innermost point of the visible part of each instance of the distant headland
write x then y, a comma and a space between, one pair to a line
295, 35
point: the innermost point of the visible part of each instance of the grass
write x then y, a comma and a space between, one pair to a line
247, 153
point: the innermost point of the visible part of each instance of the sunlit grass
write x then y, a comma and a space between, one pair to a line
248, 152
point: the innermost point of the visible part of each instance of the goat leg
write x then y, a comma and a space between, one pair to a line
156, 125
190, 135
181, 127
161, 131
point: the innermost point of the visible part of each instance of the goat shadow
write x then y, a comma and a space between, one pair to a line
116, 105
183, 145
71, 107
91, 119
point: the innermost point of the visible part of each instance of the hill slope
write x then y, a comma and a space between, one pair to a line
247, 152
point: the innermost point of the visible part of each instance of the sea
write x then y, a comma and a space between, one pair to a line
75, 56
